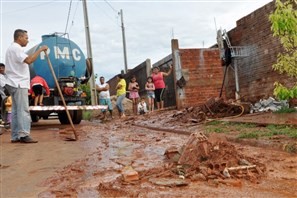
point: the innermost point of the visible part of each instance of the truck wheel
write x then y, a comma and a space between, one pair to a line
34, 118
63, 118
77, 116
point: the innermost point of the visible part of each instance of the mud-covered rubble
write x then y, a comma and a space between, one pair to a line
177, 120
132, 161
213, 108
213, 159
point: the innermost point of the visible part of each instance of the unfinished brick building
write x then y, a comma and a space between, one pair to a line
255, 74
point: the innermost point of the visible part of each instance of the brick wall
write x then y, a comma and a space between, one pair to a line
203, 73
256, 76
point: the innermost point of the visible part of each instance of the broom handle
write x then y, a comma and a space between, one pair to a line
61, 95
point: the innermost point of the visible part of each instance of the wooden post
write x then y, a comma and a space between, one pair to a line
61, 95
177, 73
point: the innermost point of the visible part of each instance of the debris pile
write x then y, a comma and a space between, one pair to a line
213, 159
270, 104
213, 108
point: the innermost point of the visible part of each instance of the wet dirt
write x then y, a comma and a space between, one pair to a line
93, 166
267, 118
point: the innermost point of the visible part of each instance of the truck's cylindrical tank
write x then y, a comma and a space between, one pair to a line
66, 57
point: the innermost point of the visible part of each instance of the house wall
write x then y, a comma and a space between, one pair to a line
256, 76
202, 70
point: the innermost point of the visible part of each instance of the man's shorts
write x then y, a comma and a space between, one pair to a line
106, 101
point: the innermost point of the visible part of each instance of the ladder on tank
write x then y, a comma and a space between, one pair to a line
235, 53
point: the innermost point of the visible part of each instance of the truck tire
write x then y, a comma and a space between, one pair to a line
35, 118
63, 118
77, 116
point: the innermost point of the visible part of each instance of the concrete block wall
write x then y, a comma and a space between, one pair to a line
203, 73
256, 76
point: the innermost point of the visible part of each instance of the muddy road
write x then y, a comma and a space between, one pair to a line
126, 158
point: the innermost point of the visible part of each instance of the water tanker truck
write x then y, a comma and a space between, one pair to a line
71, 69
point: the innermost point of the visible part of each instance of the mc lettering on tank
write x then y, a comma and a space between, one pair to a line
63, 53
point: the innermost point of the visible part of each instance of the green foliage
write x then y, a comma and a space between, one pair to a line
214, 122
284, 93
284, 23
249, 135
280, 130
286, 110
87, 115
250, 131
86, 88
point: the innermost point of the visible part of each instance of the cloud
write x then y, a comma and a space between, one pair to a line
149, 26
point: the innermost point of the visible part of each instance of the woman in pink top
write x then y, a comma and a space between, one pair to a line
158, 79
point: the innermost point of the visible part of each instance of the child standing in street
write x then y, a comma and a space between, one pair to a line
141, 108
150, 88
133, 95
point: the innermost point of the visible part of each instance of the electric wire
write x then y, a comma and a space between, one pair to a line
26, 8
72, 21
103, 11
69, 10
111, 7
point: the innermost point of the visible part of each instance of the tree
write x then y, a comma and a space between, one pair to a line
284, 26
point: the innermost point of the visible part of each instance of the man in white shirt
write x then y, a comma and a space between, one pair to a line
104, 96
17, 71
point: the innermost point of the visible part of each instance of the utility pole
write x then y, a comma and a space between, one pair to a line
89, 53
124, 40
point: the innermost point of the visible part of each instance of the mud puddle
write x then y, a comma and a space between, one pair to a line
114, 147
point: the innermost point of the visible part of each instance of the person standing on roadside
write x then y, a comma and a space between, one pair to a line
2, 88
104, 96
158, 79
133, 93
121, 94
2, 93
18, 84
150, 88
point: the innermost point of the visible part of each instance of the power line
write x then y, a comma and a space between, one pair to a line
72, 21
111, 7
25, 8
68, 16
103, 11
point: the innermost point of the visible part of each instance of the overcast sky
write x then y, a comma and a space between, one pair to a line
149, 26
